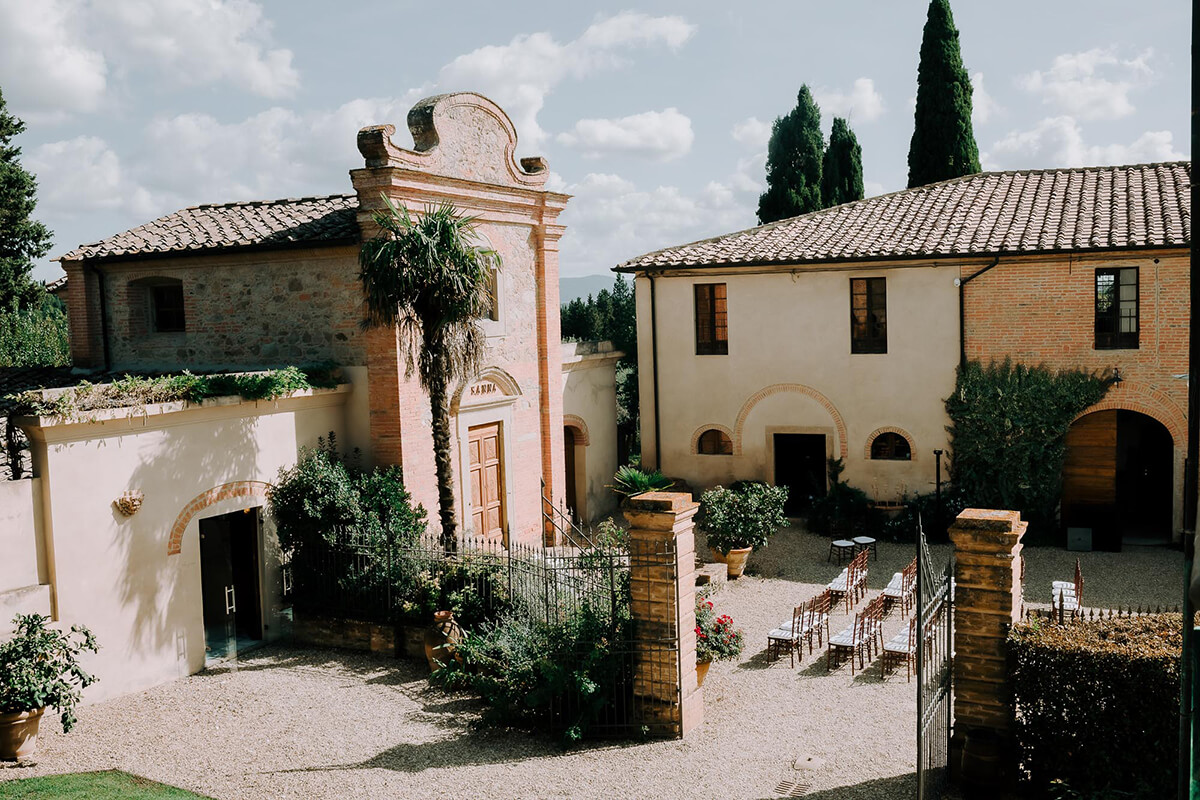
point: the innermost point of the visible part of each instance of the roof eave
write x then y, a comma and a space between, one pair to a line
210, 251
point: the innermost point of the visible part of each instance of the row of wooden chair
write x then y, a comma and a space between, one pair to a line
861, 639
809, 619
851, 584
901, 589
1066, 597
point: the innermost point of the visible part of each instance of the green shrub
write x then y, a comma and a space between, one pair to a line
844, 510
630, 481
39, 667
1097, 705
716, 638
744, 517
1008, 431
903, 527
34, 337
529, 672
472, 585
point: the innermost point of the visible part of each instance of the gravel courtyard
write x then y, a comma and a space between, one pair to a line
309, 723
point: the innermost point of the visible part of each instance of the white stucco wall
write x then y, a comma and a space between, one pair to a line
113, 573
789, 368
590, 401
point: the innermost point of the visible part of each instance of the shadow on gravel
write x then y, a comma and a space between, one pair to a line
900, 786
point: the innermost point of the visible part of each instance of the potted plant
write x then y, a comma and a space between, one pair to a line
629, 481
39, 668
740, 519
716, 638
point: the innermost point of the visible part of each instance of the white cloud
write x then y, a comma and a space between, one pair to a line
863, 103
520, 74
1094, 84
983, 105
60, 57
661, 135
1059, 142
198, 42
872, 189
752, 132
79, 176
49, 70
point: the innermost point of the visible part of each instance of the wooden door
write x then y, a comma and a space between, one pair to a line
1089, 495
487, 480
800, 466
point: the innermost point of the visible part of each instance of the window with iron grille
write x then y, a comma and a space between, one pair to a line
712, 331
868, 315
167, 307
715, 443
1117, 309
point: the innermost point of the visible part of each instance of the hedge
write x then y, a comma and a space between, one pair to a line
1097, 705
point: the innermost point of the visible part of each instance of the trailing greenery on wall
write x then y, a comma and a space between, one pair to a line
133, 390
1008, 433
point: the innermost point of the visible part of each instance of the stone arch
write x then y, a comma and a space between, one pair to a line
205, 499
507, 384
797, 388
696, 434
581, 429
912, 444
1156, 405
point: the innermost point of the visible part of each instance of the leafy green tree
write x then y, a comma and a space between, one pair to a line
794, 157
429, 279
841, 172
22, 240
943, 141
36, 336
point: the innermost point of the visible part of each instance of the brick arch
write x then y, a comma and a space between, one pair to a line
1154, 404
912, 443
798, 388
205, 499
507, 383
696, 434
581, 429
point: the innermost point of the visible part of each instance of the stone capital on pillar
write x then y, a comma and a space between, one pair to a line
662, 552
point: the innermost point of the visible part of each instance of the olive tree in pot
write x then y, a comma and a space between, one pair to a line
39, 668
740, 519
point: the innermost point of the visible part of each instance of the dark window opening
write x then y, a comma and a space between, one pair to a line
712, 325
715, 443
890, 447
167, 308
492, 308
868, 315
1117, 309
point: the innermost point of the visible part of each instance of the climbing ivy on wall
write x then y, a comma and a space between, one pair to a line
1008, 433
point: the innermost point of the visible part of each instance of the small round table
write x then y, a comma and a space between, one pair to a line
842, 548
866, 543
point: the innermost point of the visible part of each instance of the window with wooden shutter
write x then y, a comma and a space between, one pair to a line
712, 331
868, 315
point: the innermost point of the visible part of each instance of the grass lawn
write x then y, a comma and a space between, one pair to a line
107, 785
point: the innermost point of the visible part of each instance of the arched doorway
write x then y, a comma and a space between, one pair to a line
1118, 479
569, 461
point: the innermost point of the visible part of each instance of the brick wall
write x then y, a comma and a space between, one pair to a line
243, 311
1043, 311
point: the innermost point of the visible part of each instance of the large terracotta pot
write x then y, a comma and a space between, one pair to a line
18, 734
441, 639
702, 671
734, 560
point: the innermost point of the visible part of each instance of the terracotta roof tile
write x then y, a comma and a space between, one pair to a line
282, 223
992, 213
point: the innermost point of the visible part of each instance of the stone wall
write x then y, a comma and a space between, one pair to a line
248, 311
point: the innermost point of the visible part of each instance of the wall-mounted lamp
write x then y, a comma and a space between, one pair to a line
129, 502
1116, 378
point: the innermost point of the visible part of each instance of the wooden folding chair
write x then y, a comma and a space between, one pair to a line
901, 647
901, 587
817, 622
1066, 597
788, 635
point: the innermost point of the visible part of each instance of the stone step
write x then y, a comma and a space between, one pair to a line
713, 575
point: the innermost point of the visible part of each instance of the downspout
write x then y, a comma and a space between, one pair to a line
962, 312
654, 370
103, 316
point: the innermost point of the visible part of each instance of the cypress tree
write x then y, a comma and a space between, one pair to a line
943, 142
794, 157
22, 240
841, 173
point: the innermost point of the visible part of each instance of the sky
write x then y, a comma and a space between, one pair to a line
654, 116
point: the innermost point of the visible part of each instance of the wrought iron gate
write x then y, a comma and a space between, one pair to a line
935, 670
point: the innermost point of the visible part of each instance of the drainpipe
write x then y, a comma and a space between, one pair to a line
103, 316
654, 370
961, 283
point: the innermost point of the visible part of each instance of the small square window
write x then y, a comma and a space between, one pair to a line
167, 308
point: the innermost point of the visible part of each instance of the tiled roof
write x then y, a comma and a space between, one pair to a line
992, 213
261, 224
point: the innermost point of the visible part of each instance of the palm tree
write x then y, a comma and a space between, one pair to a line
428, 278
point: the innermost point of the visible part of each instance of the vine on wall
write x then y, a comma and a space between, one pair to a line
1008, 433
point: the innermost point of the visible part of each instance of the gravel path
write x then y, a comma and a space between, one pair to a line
308, 723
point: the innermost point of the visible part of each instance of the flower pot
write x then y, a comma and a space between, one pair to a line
441, 639
734, 560
702, 671
18, 734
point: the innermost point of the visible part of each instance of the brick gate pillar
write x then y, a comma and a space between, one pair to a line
662, 568
987, 601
